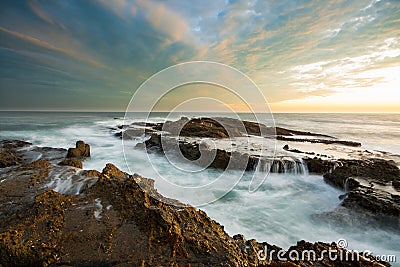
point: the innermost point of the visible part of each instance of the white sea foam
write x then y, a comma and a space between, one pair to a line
282, 211
99, 206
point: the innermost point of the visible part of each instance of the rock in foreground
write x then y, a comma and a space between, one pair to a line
121, 220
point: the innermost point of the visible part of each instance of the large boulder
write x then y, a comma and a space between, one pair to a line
81, 150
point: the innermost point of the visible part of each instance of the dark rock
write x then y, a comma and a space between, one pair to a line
81, 150
319, 166
221, 159
203, 127
148, 124
73, 162
190, 151
220, 127
213, 127
368, 185
154, 141
375, 200
132, 133
287, 132
396, 184
320, 141
377, 170
286, 147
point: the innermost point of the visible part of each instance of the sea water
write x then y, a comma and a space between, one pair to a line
286, 207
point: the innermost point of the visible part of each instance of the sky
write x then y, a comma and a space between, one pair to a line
304, 55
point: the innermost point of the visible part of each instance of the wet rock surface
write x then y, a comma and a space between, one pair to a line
320, 141
199, 153
119, 220
319, 166
371, 185
9, 155
81, 150
375, 191
218, 127
376, 170
73, 162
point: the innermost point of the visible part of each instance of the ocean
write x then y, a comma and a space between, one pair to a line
286, 208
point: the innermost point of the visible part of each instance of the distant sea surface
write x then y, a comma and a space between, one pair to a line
285, 209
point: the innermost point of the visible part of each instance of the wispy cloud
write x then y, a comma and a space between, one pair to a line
293, 50
44, 44
33, 5
340, 73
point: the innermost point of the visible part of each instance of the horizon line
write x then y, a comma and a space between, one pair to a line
163, 111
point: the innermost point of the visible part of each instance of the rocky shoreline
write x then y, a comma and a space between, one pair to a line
111, 218
115, 220
370, 184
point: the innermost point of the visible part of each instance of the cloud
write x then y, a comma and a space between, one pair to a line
346, 72
165, 20
291, 49
158, 15
33, 5
44, 44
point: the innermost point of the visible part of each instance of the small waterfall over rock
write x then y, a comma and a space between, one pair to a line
286, 165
